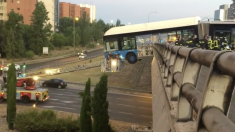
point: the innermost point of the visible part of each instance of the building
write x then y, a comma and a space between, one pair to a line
50, 7
91, 9
57, 14
73, 10
23, 7
231, 11
222, 13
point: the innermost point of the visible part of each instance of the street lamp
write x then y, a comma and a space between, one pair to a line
74, 19
149, 15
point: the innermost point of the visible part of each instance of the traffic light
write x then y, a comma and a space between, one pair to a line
24, 65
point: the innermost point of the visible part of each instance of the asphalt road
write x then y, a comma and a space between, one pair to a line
63, 60
122, 107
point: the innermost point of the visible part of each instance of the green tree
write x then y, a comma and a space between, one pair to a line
13, 43
97, 31
85, 117
11, 96
99, 105
65, 22
41, 29
84, 29
58, 40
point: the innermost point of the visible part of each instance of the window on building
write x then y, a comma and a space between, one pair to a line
18, 8
1, 7
12, 1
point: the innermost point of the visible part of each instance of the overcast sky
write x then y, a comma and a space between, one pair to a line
137, 11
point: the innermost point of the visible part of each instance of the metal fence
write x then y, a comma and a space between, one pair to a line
180, 67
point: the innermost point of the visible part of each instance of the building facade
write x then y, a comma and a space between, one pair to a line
23, 7
231, 11
50, 7
222, 13
57, 14
73, 10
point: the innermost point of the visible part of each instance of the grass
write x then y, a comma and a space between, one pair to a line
80, 76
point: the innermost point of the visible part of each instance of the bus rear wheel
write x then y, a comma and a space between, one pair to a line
131, 58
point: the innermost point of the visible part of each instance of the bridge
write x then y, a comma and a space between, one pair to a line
192, 89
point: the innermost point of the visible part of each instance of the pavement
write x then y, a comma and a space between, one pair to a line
62, 60
130, 108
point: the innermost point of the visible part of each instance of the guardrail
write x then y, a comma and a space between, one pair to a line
64, 63
180, 67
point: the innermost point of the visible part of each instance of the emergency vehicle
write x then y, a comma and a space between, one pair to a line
113, 63
26, 91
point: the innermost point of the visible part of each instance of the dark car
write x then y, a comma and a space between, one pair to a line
57, 83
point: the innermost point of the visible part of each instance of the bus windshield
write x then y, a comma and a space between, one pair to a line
111, 45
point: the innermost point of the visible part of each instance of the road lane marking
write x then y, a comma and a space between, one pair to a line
68, 102
48, 106
53, 99
145, 102
126, 105
65, 95
65, 108
145, 108
59, 103
146, 116
124, 99
125, 113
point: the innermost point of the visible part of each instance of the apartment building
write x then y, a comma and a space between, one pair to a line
23, 7
74, 10
231, 11
50, 7
57, 14
221, 13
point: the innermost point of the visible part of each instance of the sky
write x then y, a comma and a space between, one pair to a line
139, 11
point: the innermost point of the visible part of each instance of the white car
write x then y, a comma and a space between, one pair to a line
17, 67
82, 56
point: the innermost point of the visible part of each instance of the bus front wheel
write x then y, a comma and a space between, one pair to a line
131, 58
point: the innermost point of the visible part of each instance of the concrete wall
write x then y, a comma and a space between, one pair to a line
162, 121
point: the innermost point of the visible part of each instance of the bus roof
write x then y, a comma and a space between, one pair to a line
219, 22
153, 26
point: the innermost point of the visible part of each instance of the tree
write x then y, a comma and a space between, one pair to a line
100, 105
13, 43
84, 29
11, 96
41, 29
85, 118
58, 40
65, 22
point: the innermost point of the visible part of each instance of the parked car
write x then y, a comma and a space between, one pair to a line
17, 67
55, 82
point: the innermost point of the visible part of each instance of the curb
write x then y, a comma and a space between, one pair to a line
50, 58
116, 88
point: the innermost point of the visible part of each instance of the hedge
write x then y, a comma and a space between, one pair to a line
44, 121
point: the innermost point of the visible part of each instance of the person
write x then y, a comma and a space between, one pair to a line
182, 42
191, 42
203, 43
216, 44
224, 44
177, 41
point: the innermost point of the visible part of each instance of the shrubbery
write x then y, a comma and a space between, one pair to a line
44, 121
30, 54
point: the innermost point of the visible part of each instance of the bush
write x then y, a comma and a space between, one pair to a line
30, 54
91, 46
44, 121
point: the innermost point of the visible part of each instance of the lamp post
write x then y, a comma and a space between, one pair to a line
149, 15
75, 18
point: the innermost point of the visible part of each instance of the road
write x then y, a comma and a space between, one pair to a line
122, 107
40, 64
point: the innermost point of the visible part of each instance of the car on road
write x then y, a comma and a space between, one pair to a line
82, 56
55, 82
83, 52
17, 67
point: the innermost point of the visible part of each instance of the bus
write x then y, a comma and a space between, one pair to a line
123, 41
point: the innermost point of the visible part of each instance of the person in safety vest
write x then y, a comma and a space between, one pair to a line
203, 43
210, 43
177, 41
182, 42
216, 43
224, 44
191, 42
